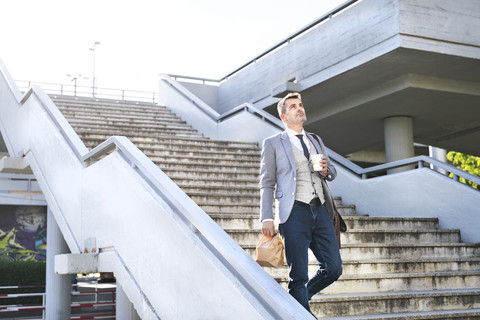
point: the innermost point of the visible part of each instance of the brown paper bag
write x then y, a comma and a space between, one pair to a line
269, 252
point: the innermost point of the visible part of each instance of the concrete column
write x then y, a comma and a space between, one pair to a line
440, 155
124, 308
399, 140
58, 288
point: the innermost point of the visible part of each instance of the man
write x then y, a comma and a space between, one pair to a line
302, 196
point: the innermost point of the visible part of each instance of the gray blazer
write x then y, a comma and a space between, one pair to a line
278, 176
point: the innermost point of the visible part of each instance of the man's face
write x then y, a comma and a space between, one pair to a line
294, 112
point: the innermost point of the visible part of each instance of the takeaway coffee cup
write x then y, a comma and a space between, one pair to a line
316, 159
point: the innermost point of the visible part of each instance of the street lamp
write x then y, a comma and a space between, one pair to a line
93, 76
74, 78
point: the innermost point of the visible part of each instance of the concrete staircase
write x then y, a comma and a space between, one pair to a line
394, 268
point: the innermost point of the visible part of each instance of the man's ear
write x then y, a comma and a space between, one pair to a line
282, 116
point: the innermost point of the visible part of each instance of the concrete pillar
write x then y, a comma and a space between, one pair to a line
398, 132
124, 308
440, 155
58, 288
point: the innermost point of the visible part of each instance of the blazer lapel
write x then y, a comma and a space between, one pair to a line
287, 146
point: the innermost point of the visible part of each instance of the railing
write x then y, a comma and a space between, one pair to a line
87, 92
283, 42
215, 115
20, 310
418, 161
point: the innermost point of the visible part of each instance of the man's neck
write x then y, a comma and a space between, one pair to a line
295, 127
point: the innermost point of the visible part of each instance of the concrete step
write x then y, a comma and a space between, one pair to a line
225, 183
388, 282
229, 208
210, 173
351, 219
104, 134
115, 109
206, 160
128, 129
342, 306
385, 266
401, 236
462, 314
222, 199
146, 121
197, 165
180, 150
141, 115
222, 190
387, 250
141, 140
399, 251
106, 104
250, 237
389, 223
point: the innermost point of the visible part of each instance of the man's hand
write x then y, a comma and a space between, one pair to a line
324, 165
268, 228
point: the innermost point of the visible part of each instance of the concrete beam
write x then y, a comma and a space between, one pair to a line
14, 165
76, 263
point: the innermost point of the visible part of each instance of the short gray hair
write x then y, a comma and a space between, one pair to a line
281, 104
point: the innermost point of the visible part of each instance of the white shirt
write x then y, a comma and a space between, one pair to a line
295, 141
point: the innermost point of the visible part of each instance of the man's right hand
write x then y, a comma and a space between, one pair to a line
268, 228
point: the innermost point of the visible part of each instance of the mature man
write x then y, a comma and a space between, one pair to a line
302, 196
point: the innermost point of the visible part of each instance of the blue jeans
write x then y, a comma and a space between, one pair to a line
310, 227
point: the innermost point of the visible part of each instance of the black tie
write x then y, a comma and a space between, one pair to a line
304, 146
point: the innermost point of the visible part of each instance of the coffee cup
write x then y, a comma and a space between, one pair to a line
316, 161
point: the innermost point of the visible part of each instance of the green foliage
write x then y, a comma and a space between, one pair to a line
465, 162
22, 273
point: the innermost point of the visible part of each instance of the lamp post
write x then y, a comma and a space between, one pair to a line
74, 79
93, 76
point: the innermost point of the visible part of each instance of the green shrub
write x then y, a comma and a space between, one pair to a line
22, 273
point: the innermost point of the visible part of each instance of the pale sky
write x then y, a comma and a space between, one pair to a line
43, 40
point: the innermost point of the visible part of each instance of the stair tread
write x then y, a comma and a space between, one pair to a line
395, 294
400, 275
414, 315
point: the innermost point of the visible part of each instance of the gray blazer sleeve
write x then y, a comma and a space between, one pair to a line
267, 180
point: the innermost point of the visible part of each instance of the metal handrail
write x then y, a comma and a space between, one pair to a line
86, 91
418, 161
214, 115
283, 42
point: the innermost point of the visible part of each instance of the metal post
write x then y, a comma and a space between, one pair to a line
93, 75
58, 288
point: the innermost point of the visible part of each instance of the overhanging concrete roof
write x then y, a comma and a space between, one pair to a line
378, 59
440, 92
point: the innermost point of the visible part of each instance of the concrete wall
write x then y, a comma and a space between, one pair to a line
454, 21
360, 27
415, 193
207, 93
241, 126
